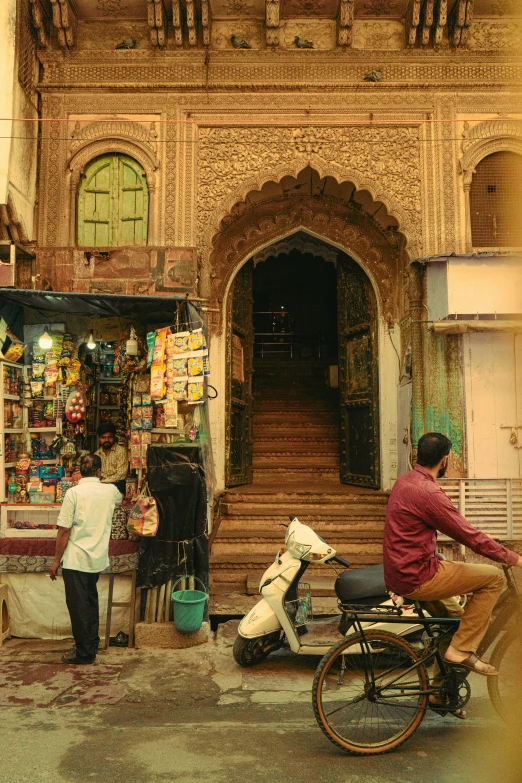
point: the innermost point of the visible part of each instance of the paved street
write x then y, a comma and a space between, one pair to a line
193, 715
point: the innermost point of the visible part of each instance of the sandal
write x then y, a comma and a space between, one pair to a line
441, 710
471, 663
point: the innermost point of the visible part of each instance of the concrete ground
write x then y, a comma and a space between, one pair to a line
163, 716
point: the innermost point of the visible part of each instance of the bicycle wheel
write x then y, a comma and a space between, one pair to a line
365, 714
505, 690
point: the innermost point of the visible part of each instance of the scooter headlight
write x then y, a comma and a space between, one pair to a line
295, 549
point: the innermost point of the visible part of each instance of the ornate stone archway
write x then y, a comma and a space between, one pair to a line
345, 227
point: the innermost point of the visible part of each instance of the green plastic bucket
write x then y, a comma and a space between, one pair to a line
188, 607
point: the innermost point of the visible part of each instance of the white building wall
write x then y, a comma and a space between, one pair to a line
493, 382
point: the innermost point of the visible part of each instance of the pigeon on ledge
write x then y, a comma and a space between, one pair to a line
374, 76
127, 43
302, 43
239, 43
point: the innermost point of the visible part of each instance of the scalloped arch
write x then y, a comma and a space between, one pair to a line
81, 157
483, 148
325, 169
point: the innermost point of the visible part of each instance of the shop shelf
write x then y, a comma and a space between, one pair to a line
109, 407
40, 429
15, 397
14, 431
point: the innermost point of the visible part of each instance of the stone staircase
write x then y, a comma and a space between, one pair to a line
296, 471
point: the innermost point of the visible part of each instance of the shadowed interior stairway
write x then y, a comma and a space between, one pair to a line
296, 471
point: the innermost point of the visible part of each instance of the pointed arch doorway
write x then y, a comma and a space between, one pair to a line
302, 368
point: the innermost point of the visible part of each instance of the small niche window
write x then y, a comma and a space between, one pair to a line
113, 202
493, 199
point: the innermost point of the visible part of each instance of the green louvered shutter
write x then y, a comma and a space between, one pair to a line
113, 203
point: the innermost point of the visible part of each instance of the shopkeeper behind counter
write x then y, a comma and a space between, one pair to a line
114, 457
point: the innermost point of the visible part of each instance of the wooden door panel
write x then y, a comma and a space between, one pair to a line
239, 380
358, 376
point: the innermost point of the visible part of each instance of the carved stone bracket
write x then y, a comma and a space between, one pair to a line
205, 21
272, 11
413, 17
41, 22
64, 20
157, 20
345, 22
177, 23
460, 21
441, 19
190, 10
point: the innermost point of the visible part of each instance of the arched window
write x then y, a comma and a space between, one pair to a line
494, 201
113, 202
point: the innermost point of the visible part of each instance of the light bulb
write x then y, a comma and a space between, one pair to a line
131, 347
91, 345
45, 341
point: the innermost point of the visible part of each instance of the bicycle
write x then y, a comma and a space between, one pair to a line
371, 690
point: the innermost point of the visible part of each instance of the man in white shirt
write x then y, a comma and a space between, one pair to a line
82, 549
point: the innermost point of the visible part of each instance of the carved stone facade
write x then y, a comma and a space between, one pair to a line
224, 134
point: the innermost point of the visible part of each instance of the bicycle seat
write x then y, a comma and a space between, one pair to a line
361, 584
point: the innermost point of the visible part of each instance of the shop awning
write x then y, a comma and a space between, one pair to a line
147, 309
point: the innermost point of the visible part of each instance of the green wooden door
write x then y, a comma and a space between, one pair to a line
358, 375
239, 385
113, 203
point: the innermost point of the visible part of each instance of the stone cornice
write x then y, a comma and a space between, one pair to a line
279, 70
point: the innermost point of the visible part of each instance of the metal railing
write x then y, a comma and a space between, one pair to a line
491, 505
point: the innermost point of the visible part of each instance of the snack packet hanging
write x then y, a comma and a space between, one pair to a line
206, 365
179, 389
195, 366
151, 339
158, 355
157, 381
196, 390
197, 340
180, 343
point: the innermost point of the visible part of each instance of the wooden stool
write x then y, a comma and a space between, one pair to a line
131, 604
4, 613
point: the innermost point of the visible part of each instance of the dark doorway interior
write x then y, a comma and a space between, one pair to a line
295, 308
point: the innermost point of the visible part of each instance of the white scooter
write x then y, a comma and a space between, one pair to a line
283, 612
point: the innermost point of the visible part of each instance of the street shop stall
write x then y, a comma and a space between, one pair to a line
68, 363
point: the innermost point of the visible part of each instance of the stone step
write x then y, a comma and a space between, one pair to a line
313, 406
245, 556
303, 510
295, 461
288, 429
294, 446
309, 497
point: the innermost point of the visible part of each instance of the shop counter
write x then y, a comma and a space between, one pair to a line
35, 555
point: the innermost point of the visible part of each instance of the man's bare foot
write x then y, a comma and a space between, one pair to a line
469, 660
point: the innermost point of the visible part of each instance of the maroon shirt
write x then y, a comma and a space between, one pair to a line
417, 508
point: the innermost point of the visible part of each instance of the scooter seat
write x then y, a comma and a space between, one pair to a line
360, 584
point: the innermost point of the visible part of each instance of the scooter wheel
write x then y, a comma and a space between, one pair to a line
248, 652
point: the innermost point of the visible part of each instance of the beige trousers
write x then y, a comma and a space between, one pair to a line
484, 582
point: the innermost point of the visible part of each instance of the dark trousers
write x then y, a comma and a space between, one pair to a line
81, 596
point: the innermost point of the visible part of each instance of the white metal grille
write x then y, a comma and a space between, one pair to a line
491, 505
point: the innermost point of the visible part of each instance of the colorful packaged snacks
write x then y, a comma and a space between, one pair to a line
157, 381
180, 342
159, 346
197, 340
37, 388
179, 389
177, 368
151, 339
195, 366
196, 390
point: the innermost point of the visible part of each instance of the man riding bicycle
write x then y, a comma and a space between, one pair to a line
417, 508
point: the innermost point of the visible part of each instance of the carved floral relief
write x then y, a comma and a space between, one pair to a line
486, 35
378, 35
250, 29
320, 32
383, 160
